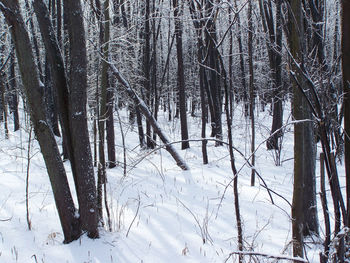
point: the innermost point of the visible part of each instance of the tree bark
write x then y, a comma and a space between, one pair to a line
13, 92
78, 119
298, 107
214, 79
62, 195
346, 90
251, 89
180, 76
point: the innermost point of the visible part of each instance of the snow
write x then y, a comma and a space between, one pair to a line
159, 213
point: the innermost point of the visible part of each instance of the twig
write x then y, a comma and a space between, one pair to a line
27, 179
132, 222
196, 219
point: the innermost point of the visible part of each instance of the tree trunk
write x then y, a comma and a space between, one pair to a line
78, 119
274, 46
346, 90
180, 76
251, 89
110, 138
298, 108
241, 63
146, 70
214, 79
62, 195
13, 92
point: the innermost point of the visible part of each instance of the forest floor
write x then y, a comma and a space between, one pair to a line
159, 213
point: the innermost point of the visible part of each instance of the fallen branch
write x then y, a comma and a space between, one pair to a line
252, 253
148, 115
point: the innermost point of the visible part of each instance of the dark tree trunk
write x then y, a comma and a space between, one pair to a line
213, 79
73, 118
180, 76
35, 42
110, 129
274, 46
50, 99
241, 63
346, 91
78, 119
63, 199
146, 70
251, 89
13, 103
298, 107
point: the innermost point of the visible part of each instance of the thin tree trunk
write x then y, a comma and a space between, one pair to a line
13, 92
180, 76
251, 89
346, 91
103, 107
146, 70
110, 138
241, 63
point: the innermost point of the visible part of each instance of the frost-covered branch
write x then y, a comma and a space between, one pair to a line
148, 115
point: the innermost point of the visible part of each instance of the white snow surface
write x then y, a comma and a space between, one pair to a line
159, 213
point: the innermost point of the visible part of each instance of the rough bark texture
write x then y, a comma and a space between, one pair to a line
13, 92
48, 146
298, 107
274, 48
78, 119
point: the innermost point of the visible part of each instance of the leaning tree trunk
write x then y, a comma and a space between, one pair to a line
72, 118
29, 72
145, 111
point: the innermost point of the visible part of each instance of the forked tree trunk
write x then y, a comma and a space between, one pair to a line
86, 188
29, 72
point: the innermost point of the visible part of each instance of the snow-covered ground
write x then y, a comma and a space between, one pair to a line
159, 213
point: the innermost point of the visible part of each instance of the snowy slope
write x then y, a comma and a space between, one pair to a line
159, 212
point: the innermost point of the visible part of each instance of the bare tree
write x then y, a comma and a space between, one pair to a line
180, 75
346, 87
29, 72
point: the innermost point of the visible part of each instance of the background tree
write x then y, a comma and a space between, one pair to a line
346, 86
180, 75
